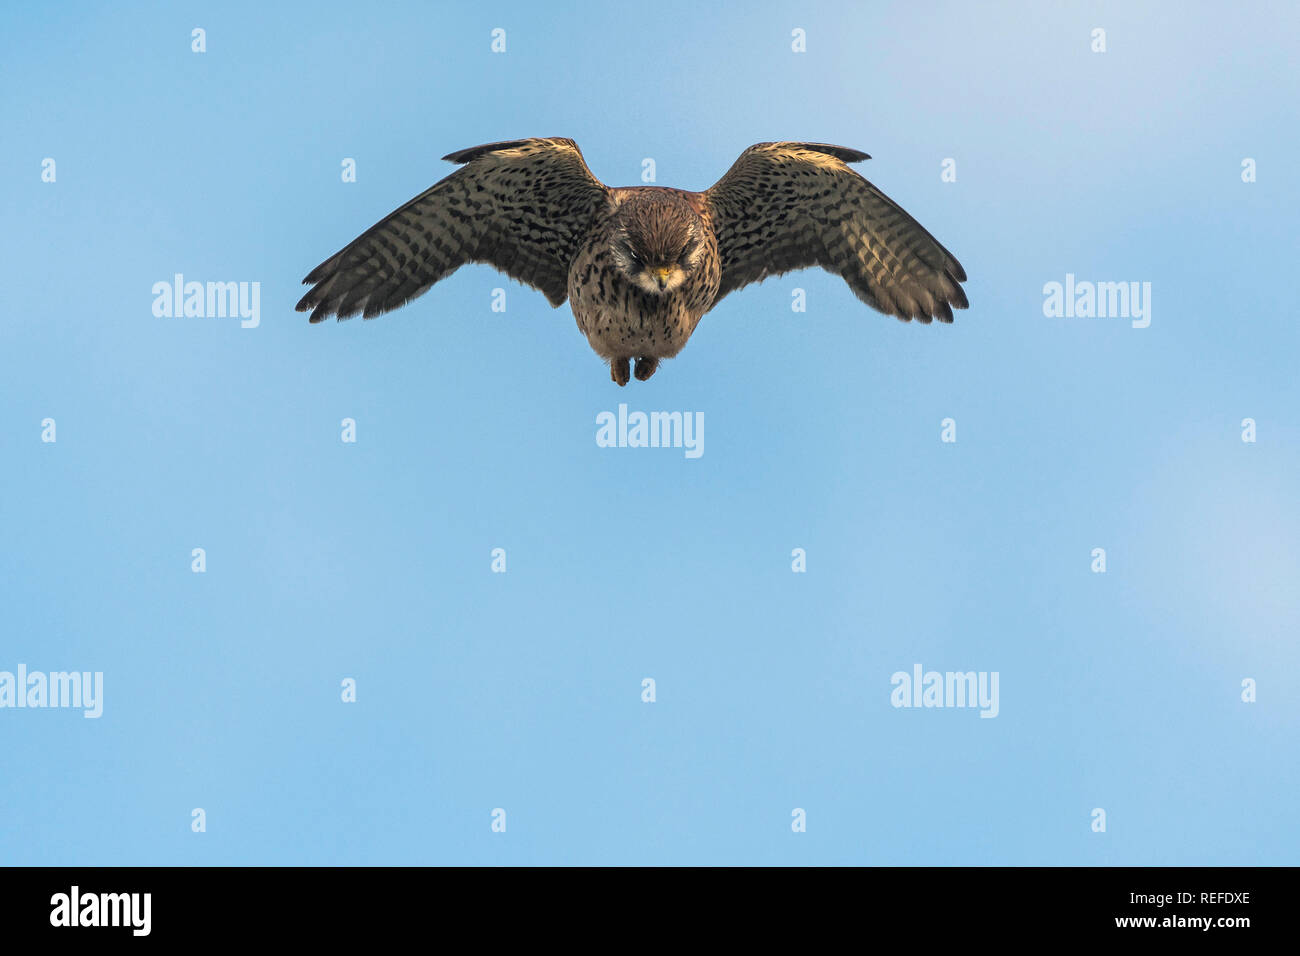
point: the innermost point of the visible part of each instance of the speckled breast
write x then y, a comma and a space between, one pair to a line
621, 320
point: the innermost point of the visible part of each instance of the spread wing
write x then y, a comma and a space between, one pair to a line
786, 206
522, 206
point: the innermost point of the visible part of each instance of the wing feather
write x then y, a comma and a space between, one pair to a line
786, 206
522, 206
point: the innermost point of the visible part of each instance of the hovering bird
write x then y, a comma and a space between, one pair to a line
642, 264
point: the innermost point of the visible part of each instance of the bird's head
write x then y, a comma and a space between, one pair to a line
658, 244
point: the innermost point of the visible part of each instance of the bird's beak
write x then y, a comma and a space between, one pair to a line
661, 276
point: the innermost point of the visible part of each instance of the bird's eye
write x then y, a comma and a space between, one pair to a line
633, 256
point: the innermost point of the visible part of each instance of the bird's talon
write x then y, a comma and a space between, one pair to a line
618, 371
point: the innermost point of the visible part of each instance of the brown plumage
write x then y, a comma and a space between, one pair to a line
642, 265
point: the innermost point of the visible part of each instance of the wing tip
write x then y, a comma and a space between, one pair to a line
843, 153
318, 306
958, 298
462, 156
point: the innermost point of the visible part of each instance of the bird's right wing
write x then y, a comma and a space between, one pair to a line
786, 206
522, 206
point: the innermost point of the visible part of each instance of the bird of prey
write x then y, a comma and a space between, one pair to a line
642, 264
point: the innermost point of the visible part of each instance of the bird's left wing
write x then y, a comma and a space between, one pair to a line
522, 206
785, 206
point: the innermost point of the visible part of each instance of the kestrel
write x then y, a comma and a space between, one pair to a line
642, 264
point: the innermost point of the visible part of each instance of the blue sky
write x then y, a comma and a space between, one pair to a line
476, 430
